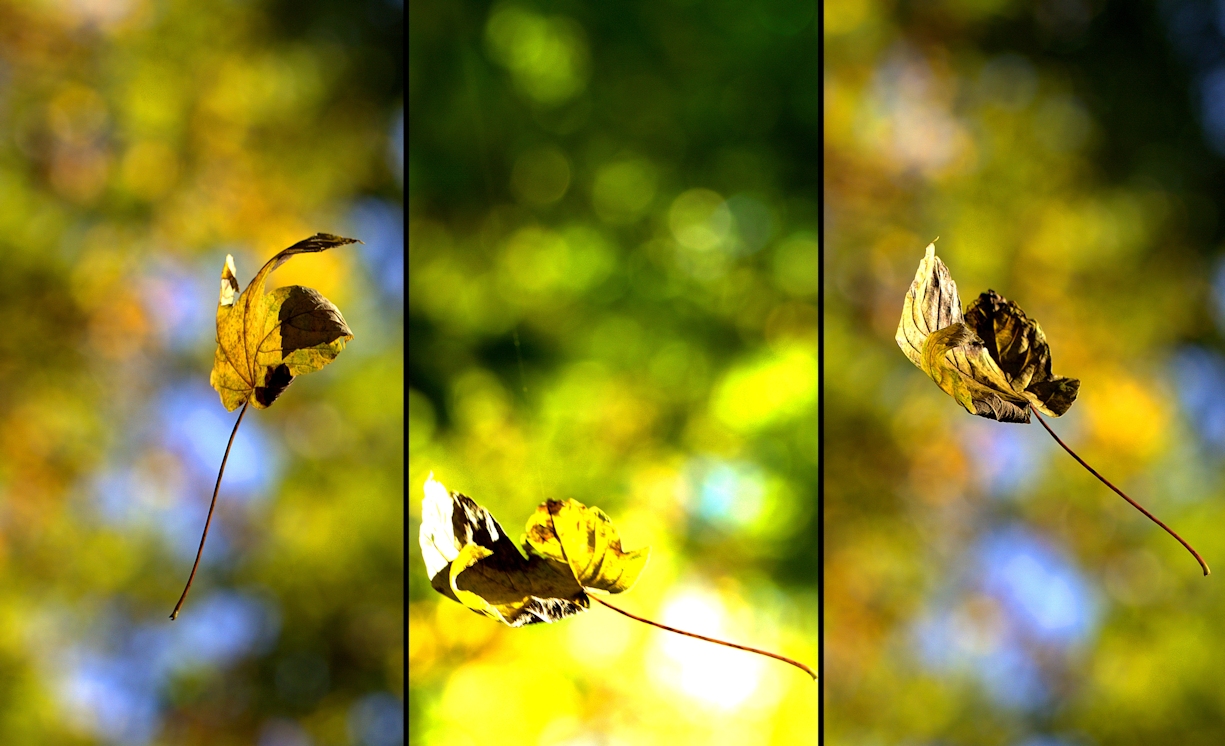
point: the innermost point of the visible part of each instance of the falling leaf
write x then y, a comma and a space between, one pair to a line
470, 559
568, 551
265, 340
994, 361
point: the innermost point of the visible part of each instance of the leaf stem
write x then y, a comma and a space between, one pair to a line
1134, 504
746, 648
175, 614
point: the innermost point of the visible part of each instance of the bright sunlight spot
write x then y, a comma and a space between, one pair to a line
716, 675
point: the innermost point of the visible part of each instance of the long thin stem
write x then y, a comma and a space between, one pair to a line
1134, 504
775, 656
175, 614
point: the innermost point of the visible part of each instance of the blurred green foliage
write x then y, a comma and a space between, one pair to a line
613, 281
981, 587
140, 142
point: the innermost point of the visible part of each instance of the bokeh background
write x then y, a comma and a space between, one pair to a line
982, 588
140, 142
613, 277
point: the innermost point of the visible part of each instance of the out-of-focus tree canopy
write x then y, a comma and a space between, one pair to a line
140, 142
613, 279
981, 587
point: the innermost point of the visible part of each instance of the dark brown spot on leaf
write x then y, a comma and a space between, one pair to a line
276, 380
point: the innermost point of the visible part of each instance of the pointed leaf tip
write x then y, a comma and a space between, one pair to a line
229, 282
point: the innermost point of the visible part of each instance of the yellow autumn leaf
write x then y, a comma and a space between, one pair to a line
585, 539
265, 340
993, 360
470, 559
568, 550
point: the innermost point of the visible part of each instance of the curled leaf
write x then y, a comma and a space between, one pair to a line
471, 560
265, 340
568, 550
504, 585
994, 361
1018, 345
